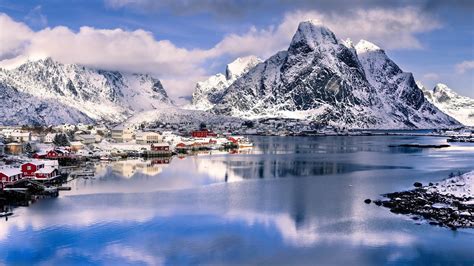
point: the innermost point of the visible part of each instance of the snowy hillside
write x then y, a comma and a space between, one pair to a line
332, 82
455, 105
82, 94
209, 91
174, 115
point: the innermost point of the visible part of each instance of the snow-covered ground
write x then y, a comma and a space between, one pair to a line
458, 186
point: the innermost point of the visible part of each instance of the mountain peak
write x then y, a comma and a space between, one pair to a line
364, 46
313, 33
440, 87
240, 66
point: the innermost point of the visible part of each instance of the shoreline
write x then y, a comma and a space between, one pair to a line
448, 203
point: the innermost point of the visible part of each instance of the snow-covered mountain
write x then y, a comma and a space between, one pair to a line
333, 82
453, 104
209, 91
48, 92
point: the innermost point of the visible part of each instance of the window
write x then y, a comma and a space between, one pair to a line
28, 168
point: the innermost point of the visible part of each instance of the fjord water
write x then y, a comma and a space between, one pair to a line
290, 200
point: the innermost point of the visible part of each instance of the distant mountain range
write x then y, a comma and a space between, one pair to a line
453, 104
332, 82
318, 78
209, 92
47, 92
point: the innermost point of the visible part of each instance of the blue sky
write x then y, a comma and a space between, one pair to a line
184, 41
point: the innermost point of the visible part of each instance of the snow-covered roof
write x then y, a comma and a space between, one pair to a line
160, 144
10, 171
46, 170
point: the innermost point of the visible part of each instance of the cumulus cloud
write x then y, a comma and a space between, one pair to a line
464, 66
180, 68
390, 29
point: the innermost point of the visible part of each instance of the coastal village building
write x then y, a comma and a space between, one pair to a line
122, 133
76, 145
86, 139
37, 170
10, 174
148, 137
29, 169
19, 136
203, 134
49, 138
14, 148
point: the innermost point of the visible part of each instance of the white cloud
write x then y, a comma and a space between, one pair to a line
36, 17
390, 29
430, 76
179, 68
464, 66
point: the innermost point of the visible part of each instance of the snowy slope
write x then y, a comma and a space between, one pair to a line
453, 104
323, 79
172, 114
18, 108
402, 99
209, 91
85, 94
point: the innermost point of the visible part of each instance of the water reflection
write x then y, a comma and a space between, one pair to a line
244, 208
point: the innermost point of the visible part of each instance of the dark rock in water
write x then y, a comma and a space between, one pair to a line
430, 184
368, 201
418, 184
378, 202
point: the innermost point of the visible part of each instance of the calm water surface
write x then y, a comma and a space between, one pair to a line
290, 200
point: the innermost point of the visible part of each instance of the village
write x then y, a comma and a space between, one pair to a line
38, 159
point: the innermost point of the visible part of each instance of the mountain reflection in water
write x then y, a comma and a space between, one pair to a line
288, 201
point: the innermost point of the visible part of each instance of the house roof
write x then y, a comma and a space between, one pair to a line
8, 171
163, 144
46, 170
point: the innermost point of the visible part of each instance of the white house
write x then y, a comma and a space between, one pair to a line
20, 136
148, 137
49, 138
122, 133
86, 139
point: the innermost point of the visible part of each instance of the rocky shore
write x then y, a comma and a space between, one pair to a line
449, 203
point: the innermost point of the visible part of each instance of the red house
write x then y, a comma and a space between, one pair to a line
203, 133
39, 155
160, 147
46, 173
29, 169
181, 146
9, 174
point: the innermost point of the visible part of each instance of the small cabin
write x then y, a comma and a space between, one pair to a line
160, 147
46, 173
10, 174
203, 133
57, 153
29, 169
